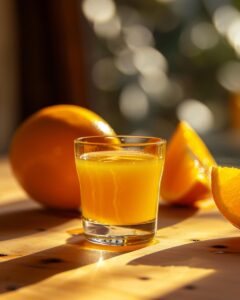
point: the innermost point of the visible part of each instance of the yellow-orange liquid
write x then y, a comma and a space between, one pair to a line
119, 187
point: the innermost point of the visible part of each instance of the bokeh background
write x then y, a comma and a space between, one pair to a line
143, 65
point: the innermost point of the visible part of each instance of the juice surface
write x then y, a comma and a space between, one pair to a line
119, 187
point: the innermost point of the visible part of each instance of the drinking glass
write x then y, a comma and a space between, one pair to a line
119, 178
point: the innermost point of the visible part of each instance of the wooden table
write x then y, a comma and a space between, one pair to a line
195, 255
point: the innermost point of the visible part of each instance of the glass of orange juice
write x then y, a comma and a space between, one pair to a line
119, 179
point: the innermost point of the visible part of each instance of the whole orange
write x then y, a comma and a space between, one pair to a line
42, 153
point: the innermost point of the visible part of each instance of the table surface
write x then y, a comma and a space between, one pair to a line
43, 255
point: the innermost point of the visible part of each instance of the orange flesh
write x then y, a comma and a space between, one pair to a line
226, 192
119, 187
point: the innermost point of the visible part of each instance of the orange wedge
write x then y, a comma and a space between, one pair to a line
187, 165
226, 192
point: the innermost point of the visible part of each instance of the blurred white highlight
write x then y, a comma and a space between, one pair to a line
229, 76
204, 36
149, 61
98, 10
133, 103
197, 114
109, 29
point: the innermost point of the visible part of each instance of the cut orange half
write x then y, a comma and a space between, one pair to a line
186, 173
226, 192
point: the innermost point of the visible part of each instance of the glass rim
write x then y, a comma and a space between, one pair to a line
85, 140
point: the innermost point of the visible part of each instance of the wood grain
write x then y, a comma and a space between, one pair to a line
43, 255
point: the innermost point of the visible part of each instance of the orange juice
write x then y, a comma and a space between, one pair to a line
119, 187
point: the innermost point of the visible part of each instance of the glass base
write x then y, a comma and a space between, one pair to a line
119, 235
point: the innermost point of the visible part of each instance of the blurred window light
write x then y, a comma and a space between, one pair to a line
105, 75
204, 36
219, 111
133, 103
124, 62
174, 94
185, 8
229, 76
141, 132
137, 36
186, 45
155, 85
149, 61
109, 29
170, 95
223, 18
98, 10
197, 114
212, 6
165, 1
129, 16
233, 35
167, 21
116, 45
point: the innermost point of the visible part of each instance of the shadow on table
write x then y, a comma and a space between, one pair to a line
219, 256
25, 217
26, 270
171, 215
